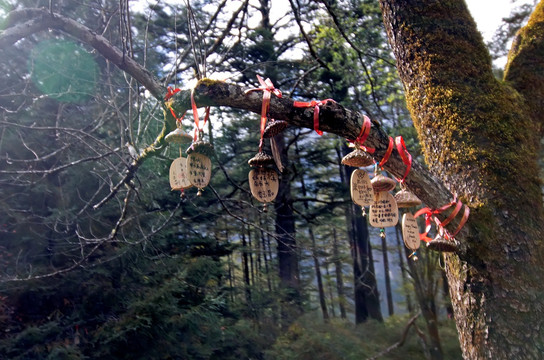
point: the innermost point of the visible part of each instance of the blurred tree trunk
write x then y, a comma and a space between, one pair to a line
285, 235
387, 275
401, 253
424, 274
339, 275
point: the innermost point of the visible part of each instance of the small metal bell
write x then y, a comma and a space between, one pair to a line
382, 183
441, 244
358, 158
178, 136
406, 199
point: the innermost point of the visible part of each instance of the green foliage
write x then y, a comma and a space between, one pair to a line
308, 339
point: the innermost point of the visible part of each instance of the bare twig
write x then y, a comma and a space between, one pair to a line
400, 342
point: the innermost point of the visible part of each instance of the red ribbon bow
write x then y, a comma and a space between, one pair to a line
170, 92
430, 216
315, 104
267, 87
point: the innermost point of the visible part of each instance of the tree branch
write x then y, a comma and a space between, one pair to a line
40, 19
400, 342
334, 118
525, 67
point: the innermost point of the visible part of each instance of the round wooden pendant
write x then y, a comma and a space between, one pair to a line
362, 192
383, 211
264, 184
410, 232
179, 179
199, 168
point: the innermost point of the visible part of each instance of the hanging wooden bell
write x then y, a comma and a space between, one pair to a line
261, 159
406, 199
439, 243
199, 164
274, 127
383, 211
263, 179
179, 175
358, 158
178, 136
410, 233
361, 189
382, 183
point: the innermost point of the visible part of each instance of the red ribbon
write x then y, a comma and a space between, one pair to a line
315, 104
195, 115
387, 153
363, 135
404, 155
430, 216
170, 92
267, 87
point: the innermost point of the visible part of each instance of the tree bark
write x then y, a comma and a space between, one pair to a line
481, 137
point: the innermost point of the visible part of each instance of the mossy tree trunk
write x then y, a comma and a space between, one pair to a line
481, 137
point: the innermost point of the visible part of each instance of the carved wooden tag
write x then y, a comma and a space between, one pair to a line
264, 184
178, 174
383, 211
199, 168
362, 192
410, 232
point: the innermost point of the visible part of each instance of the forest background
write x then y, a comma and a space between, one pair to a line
97, 267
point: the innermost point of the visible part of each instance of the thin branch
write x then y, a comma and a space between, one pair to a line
400, 342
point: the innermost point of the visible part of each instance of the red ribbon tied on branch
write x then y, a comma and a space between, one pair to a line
404, 155
387, 154
169, 93
363, 135
267, 87
430, 215
195, 115
315, 104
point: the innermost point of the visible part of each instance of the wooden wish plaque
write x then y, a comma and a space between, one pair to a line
264, 184
362, 192
199, 168
410, 232
179, 179
383, 211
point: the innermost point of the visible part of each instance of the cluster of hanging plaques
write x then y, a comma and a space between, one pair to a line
195, 170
